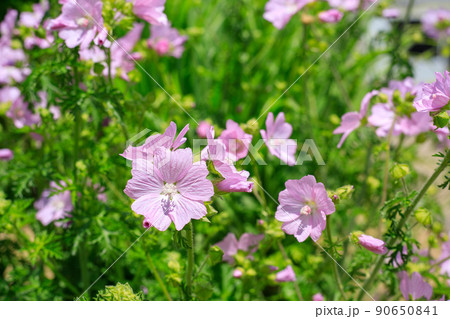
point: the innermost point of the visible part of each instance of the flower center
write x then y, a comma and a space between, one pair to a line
306, 210
162, 46
58, 204
169, 189
433, 96
83, 22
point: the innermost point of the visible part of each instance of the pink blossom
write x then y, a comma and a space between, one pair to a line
33, 19
9, 59
331, 16
277, 139
345, 5
432, 97
80, 23
6, 154
372, 244
21, 115
237, 273
391, 13
303, 207
352, 120
169, 189
166, 40
151, 11
436, 23
318, 297
7, 26
123, 62
285, 275
203, 128
279, 12
54, 205
236, 140
230, 245
42, 104
442, 135
9, 94
415, 286
233, 180
168, 139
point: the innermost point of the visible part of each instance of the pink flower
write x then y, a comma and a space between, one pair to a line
285, 275
432, 97
236, 140
54, 110
54, 204
318, 297
442, 135
345, 5
166, 40
9, 94
352, 120
123, 62
435, 23
277, 138
414, 286
391, 13
21, 115
203, 128
168, 139
6, 154
80, 23
372, 244
171, 189
279, 12
230, 245
237, 273
151, 11
33, 19
303, 207
331, 16
233, 180
7, 26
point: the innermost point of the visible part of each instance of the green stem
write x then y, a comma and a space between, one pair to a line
288, 260
157, 277
61, 277
199, 270
190, 255
335, 269
404, 219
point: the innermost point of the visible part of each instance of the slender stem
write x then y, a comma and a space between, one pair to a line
287, 259
335, 269
386, 164
190, 255
405, 188
108, 61
157, 277
405, 217
438, 263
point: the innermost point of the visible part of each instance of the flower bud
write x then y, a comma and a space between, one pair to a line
423, 216
119, 292
399, 170
372, 244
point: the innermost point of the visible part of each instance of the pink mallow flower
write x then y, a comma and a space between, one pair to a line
151, 11
391, 13
372, 244
345, 5
171, 189
303, 207
166, 41
432, 97
168, 139
285, 275
415, 286
233, 180
54, 205
230, 245
236, 140
21, 115
80, 23
6, 154
279, 12
237, 273
436, 23
352, 120
276, 136
331, 16
33, 21
318, 297
203, 128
